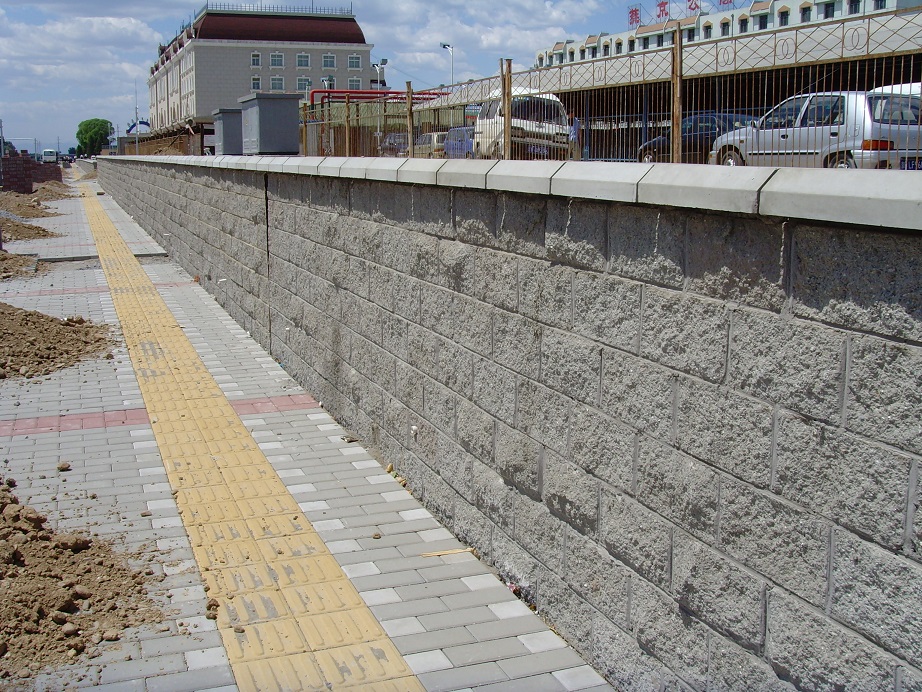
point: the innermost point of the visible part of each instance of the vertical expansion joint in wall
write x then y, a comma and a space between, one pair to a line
846, 376
912, 507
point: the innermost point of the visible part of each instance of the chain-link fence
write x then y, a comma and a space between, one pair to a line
837, 94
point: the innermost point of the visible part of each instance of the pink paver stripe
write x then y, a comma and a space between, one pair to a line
138, 416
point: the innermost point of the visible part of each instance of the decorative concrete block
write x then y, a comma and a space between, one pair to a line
715, 188
804, 193
861, 486
599, 180
462, 173
522, 176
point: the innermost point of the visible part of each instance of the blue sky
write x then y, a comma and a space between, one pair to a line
64, 61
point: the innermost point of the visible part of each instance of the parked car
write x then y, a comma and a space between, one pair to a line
698, 134
394, 144
430, 145
539, 127
833, 129
459, 144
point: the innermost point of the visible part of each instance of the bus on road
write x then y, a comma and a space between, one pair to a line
49, 156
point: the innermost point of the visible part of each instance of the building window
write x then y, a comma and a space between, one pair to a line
304, 60
304, 83
783, 18
645, 42
708, 32
659, 41
355, 62
355, 83
689, 35
595, 53
854, 6
829, 10
606, 50
572, 56
277, 84
540, 61
725, 28
631, 44
550, 60
255, 60
619, 48
806, 13
880, 4
329, 61
763, 22
744, 25
255, 84
276, 60
582, 53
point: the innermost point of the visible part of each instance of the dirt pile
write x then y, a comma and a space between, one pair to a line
60, 594
12, 266
34, 344
11, 229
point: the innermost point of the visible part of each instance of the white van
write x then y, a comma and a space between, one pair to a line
49, 156
539, 127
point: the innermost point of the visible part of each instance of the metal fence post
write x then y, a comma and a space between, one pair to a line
506, 80
410, 119
677, 95
348, 123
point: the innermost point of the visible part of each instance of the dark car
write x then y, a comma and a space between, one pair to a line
698, 134
394, 144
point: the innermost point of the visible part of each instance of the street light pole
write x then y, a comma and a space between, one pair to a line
451, 53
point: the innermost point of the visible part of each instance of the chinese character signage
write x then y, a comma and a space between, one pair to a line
662, 10
633, 16
693, 6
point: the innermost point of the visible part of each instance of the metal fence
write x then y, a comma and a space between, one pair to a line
838, 94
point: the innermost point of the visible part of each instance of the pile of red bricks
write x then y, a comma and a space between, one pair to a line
20, 171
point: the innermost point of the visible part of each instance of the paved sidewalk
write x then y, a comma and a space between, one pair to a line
454, 624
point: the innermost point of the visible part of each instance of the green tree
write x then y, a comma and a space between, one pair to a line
93, 135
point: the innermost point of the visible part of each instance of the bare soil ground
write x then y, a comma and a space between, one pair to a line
34, 344
60, 594
12, 265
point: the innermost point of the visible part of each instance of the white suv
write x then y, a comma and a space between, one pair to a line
539, 127
836, 129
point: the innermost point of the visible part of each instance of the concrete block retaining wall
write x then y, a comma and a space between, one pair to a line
690, 437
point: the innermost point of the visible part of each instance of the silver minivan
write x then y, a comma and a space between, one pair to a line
835, 129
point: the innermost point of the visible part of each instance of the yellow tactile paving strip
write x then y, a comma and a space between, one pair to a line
289, 617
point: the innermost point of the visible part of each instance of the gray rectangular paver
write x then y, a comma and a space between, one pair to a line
483, 652
453, 618
141, 668
192, 680
543, 662
424, 641
456, 678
